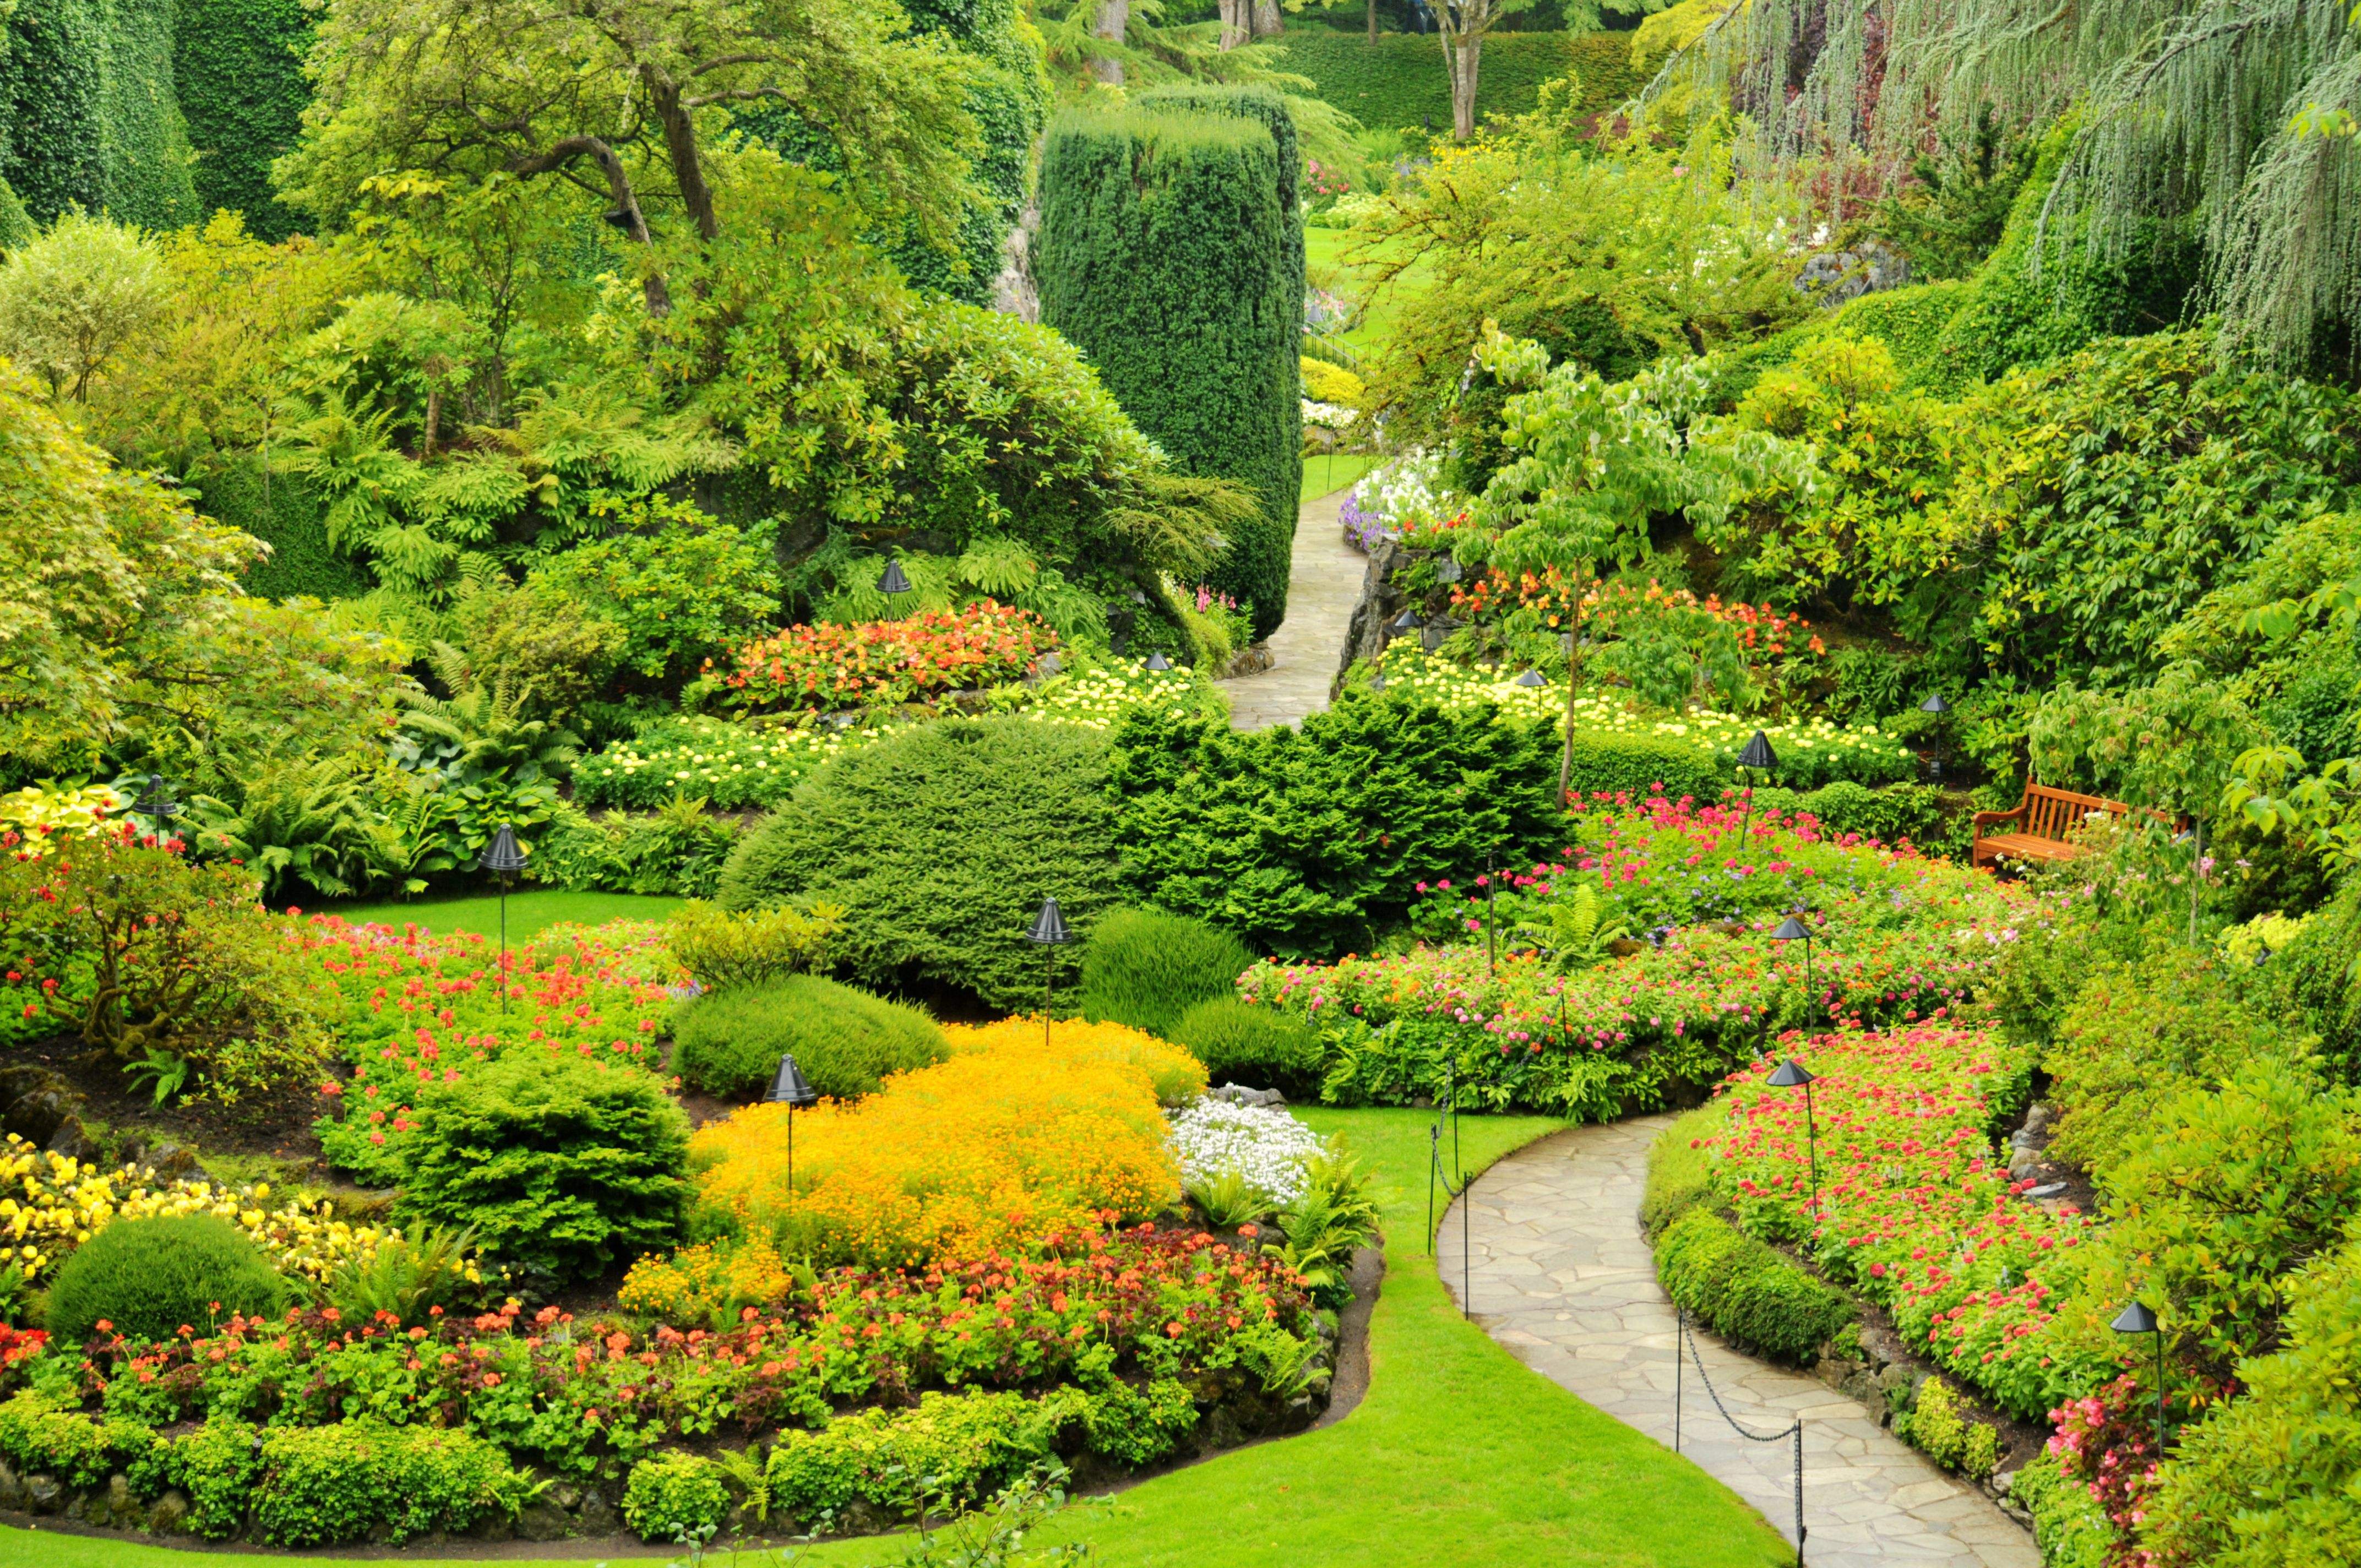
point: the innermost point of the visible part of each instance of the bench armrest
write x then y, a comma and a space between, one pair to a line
1986, 818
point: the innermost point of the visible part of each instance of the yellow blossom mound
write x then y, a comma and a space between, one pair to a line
49, 1204
1011, 1138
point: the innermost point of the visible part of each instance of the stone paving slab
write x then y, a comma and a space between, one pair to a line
1323, 583
1562, 1276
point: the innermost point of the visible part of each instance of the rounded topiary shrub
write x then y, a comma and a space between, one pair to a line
676, 1497
1260, 1047
563, 1165
1608, 762
845, 1040
148, 1277
1146, 968
940, 843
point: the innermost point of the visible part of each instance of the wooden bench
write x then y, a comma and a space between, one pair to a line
2044, 818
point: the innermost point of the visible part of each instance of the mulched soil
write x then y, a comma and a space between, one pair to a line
276, 1122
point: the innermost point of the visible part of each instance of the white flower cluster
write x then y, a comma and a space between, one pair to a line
1405, 490
1265, 1147
1328, 416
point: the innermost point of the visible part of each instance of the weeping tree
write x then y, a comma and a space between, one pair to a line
2235, 117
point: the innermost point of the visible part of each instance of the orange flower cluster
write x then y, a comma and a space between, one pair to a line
1761, 627
886, 662
1009, 1140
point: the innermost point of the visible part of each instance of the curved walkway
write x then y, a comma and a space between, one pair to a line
1563, 1277
1323, 583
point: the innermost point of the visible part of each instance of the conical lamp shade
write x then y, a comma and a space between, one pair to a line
1935, 703
1790, 1074
501, 854
1157, 660
1758, 754
1406, 620
1529, 679
893, 580
791, 1087
1049, 926
2134, 1319
1792, 930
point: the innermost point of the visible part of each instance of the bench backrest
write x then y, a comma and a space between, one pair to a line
2055, 813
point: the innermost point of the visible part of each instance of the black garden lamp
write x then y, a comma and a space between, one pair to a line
1529, 680
794, 1090
156, 803
1794, 930
1791, 1074
892, 582
1157, 662
1048, 932
503, 856
2136, 1319
1406, 621
1935, 707
1758, 757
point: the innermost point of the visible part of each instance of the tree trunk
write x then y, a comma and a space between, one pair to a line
1267, 23
1373, 21
1462, 61
1114, 23
680, 144
1238, 23
619, 185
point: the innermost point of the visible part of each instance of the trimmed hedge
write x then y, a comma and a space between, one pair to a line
1614, 763
239, 68
1748, 1293
846, 1041
1146, 968
1399, 82
1262, 1047
1169, 255
940, 842
149, 1276
1678, 1176
353, 1481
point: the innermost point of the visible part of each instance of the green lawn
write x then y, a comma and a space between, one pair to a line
528, 912
1331, 472
1457, 1456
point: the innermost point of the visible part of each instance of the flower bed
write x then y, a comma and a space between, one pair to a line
884, 663
1811, 753
1916, 1213
1264, 1148
1011, 1137
419, 1008
1614, 1038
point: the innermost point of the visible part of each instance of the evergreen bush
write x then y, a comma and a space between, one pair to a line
676, 1497
939, 843
1261, 1047
563, 1165
1609, 761
148, 1277
1169, 255
845, 1040
238, 66
1146, 968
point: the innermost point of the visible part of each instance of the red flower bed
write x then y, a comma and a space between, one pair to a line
880, 663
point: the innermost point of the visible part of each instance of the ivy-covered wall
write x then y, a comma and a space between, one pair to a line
239, 65
1010, 107
1398, 82
1170, 257
89, 113
288, 518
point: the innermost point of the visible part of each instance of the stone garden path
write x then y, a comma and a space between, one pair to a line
1562, 1276
1323, 586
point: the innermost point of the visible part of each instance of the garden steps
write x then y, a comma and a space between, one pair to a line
1562, 1276
1323, 584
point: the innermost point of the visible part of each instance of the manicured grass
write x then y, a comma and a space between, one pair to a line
1459, 1455
528, 912
1331, 472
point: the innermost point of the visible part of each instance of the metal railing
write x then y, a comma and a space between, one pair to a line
1794, 1434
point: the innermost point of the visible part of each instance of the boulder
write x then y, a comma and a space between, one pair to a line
1833, 277
543, 1521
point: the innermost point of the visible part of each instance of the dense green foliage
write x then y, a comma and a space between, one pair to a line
1745, 1291
1009, 105
239, 70
1311, 840
1261, 1047
285, 515
845, 1040
149, 1276
358, 1480
940, 843
1169, 255
1612, 762
1399, 82
1146, 968
563, 1165
88, 115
